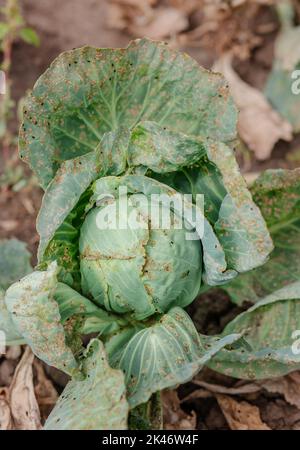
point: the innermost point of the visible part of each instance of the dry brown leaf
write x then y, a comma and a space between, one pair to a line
13, 352
248, 388
259, 125
7, 369
240, 415
123, 13
143, 18
165, 22
6, 422
188, 7
197, 394
8, 225
45, 392
288, 386
23, 404
279, 415
174, 417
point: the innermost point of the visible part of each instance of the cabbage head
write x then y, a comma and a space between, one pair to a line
137, 264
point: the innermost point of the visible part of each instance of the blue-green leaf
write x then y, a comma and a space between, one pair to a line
163, 355
277, 193
36, 316
14, 261
270, 330
96, 403
88, 91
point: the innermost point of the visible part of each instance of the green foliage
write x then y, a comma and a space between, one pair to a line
268, 330
30, 36
35, 314
277, 193
14, 264
14, 261
96, 403
12, 27
148, 119
109, 88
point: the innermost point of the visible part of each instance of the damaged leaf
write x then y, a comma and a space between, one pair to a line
14, 264
36, 315
96, 403
163, 355
269, 346
88, 92
277, 193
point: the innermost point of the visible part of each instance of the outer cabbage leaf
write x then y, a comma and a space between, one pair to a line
12, 336
14, 261
36, 316
270, 347
163, 355
70, 182
94, 319
96, 403
277, 193
279, 92
87, 92
208, 168
14, 264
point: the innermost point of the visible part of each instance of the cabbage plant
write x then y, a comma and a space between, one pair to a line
110, 129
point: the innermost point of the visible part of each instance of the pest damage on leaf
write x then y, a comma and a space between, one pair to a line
144, 207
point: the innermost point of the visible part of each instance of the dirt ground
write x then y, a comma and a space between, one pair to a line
66, 24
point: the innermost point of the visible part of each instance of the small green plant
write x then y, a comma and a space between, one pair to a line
109, 128
12, 28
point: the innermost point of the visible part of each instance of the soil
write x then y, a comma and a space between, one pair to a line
63, 25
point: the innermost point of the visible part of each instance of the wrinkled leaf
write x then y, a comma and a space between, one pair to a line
36, 315
269, 347
288, 386
70, 182
6, 421
96, 403
87, 92
259, 125
163, 355
96, 320
241, 415
23, 404
174, 416
277, 193
45, 391
228, 204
